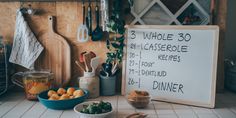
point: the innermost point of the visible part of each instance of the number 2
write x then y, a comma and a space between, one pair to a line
131, 81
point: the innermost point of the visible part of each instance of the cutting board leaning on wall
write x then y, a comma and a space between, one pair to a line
56, 56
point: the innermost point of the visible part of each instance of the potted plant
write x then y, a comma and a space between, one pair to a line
115, 45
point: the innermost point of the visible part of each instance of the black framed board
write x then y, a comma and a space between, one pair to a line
173, 63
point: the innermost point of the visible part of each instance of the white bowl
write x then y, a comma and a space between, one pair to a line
79, 107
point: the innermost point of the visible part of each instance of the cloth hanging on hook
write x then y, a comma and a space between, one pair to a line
22, 9
26, 48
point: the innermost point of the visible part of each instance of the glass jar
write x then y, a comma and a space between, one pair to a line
34, 82
90, 82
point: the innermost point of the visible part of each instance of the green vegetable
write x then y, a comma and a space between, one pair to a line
84, 110
107, 106
92, 109
97, 108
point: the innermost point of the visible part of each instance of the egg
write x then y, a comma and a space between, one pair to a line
61, 91
51, 92
78, 93
70, 90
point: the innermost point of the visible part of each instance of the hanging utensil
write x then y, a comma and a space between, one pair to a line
90, 19
104, 6
97, 34
82, 34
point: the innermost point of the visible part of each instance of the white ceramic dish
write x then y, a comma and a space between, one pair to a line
79, 107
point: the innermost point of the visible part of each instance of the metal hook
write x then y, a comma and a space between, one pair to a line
30, 10
22, 8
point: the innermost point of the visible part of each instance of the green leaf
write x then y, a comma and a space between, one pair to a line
108, 44
115, 45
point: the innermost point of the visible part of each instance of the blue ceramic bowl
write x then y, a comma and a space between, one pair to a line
61, 104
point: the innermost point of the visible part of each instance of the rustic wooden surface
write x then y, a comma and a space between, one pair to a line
56, 55
68, 18
14, 105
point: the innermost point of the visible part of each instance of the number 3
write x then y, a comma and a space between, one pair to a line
184, 37
133, 35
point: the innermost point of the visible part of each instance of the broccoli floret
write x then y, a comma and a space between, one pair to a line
107, 107
85, 110
97, 108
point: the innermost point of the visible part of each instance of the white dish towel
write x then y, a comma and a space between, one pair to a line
26, 47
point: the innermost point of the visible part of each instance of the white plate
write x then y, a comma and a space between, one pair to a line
79, 107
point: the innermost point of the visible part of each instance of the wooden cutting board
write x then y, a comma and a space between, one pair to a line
56, 55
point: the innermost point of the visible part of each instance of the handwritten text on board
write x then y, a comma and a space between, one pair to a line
171, 63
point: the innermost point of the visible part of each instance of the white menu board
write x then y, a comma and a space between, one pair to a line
173, 63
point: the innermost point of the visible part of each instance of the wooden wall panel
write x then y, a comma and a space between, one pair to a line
39, 23
68, 17
7, 19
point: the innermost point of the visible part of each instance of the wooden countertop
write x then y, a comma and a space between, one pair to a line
14, 105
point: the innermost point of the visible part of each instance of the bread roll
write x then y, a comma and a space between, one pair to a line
51, 92
70, 91
71, 97
61, 91
54, 97
78, 93
64, 97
